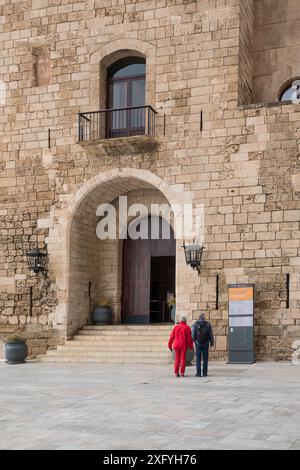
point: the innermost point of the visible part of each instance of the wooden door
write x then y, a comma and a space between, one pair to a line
136, 279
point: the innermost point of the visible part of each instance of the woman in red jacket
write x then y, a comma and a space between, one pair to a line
180, 340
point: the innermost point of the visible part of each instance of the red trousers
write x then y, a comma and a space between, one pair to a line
180, 357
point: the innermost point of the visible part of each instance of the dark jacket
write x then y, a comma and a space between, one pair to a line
210, 332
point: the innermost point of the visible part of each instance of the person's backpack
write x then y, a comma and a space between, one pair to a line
202, 333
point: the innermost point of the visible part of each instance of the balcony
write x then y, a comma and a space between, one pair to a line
119, 131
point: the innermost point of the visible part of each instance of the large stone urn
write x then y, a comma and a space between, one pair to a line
173, 314
102, 315
189, 356
16, 350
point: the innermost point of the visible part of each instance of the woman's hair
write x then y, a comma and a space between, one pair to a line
183, 318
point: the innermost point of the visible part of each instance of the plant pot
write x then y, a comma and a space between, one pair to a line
16, 352
173, 314
189, 356
102, 315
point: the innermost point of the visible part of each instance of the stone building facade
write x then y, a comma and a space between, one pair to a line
215, 71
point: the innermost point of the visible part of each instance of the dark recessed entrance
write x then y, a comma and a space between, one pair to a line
162, 287
148, 278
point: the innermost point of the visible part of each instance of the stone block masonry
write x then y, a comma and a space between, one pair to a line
241, 162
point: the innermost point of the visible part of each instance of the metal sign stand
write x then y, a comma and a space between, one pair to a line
241, 325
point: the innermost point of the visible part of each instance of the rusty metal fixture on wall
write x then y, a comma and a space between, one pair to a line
37, 261
193, 255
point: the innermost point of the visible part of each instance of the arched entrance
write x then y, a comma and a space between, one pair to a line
89, 268
148, 274
81, 263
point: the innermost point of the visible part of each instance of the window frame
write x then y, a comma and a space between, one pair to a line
129, 129
287, 86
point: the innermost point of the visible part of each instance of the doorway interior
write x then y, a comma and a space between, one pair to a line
162, 288
148, 279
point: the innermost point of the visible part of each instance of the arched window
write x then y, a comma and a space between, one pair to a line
126, 80
290, 91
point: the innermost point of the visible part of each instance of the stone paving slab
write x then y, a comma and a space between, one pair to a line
136, 406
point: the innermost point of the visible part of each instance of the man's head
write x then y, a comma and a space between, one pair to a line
183, 318
201, 317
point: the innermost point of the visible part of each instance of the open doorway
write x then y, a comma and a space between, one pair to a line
162, 288
148, 278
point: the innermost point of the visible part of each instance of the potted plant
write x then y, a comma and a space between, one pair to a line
102, 314
16, 350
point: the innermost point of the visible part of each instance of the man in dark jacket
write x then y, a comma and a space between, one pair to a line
202, 335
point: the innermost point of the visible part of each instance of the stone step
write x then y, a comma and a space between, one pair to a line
109, 347
138, 333
128, 327
117, 340
110, 360
115, 343
74, 353
121, 336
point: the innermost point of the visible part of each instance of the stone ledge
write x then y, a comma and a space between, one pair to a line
122, 145
272, 104
285, 331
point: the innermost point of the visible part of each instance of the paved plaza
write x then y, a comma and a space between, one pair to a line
114, 406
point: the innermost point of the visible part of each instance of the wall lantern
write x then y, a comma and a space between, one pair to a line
37, 261
193, 255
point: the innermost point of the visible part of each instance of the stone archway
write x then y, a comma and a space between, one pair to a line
103, 188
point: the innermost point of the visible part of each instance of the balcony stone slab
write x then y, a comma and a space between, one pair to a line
133, 145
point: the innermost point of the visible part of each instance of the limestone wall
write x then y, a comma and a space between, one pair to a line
243, 163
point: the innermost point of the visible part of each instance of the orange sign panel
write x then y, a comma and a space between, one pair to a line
241, 293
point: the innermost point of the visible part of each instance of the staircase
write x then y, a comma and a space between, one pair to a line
146, 344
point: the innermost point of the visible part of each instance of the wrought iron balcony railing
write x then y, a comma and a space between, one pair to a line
112, 123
